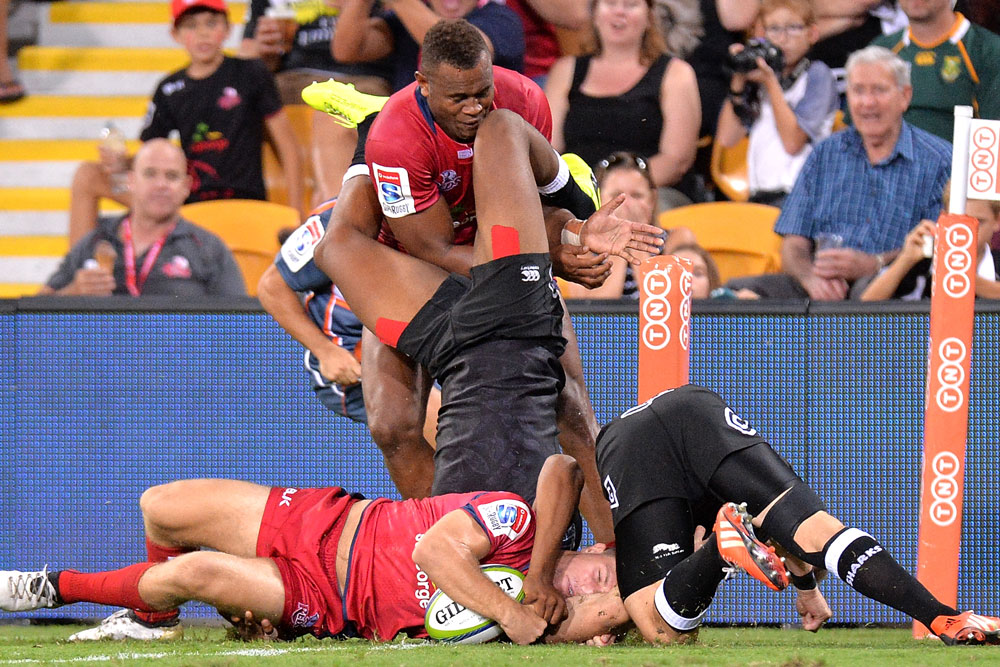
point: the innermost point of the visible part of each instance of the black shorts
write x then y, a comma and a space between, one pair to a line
497, 423
511, 298
668, 447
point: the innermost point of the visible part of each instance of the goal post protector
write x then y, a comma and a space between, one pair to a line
664, 324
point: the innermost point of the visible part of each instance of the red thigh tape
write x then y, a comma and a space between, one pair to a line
389, 331
506, 241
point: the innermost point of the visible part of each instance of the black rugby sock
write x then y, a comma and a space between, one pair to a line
865, 565
565, 192
690, 585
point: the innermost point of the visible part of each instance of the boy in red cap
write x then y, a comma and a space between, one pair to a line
220, 106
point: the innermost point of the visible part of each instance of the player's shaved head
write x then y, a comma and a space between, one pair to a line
454, 42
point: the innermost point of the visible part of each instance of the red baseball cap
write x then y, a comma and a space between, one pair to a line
178, 7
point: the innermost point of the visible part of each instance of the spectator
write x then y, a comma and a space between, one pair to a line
399, 33
848, 25
785, 113
863, 188
11, 89
151, 250
909, 275
220, 106
301, 59
952, 62
627, 94
723, 23
705, 273
540, 19
628, 174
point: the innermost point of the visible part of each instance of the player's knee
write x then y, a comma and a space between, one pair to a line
155, 503
192, 575
395, 432
499, 125
814, 533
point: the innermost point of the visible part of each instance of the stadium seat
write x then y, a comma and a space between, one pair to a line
729, 170
250, 229
739, 236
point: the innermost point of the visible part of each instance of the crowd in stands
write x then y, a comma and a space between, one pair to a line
844, 108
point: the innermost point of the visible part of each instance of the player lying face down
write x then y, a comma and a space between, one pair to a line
326, 563
665, 465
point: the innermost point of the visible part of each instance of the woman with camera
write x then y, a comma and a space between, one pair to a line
626, 94
782, 100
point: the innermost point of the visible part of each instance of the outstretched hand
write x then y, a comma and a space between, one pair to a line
606, 233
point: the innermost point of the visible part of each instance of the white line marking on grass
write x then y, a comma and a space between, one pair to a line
243, 652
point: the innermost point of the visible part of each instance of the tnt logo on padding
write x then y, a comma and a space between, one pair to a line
506, 518
393, 187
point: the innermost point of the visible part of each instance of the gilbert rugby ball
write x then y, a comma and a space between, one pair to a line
448, 621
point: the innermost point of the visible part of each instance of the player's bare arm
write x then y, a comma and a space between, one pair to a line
429, 235
559, 485
450, 552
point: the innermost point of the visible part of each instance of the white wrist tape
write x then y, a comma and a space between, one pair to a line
570, 238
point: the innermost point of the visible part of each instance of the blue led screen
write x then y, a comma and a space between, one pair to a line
96, 405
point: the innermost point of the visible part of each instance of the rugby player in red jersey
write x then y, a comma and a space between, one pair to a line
420, 154
331, 564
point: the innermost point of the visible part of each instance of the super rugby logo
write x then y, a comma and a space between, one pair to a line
297, 251
509, 518
393, 188
957, 260
944, 488
951, 374
656, 309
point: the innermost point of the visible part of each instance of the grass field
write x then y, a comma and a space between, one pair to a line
28, 645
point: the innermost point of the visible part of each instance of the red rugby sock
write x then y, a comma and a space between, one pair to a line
157, 553
119, 588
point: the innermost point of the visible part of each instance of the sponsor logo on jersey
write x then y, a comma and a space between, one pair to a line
230, 98
611, 492
924, 59
393, 187
449, 180
177, 267
734, 421
530, 273
506, 518
951, 69
301, 618
173, 87
298, 249
464, 153
663, 549
422, 592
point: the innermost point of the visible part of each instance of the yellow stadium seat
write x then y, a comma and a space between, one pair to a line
249, 227
739, 236
729, 170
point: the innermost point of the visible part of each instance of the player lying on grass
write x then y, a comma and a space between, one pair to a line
332, 564
667, 463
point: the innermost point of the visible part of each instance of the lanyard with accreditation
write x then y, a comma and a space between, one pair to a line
135, 282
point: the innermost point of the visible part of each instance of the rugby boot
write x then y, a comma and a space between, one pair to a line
967, 628
123, 624
25, 591
740, 547
343, 101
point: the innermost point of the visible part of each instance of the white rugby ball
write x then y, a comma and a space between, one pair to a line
448, 621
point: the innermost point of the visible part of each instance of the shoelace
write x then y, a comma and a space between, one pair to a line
20, 588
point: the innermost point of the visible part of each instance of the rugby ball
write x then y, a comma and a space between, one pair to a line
448, 621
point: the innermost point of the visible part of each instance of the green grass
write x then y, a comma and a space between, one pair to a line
26, 645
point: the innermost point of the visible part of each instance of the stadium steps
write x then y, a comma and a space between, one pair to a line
94, 62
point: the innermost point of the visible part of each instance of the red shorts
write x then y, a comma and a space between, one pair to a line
299, 531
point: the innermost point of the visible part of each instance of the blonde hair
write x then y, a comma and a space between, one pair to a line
801, 8
652, 47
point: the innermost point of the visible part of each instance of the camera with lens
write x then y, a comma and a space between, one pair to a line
746, 60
